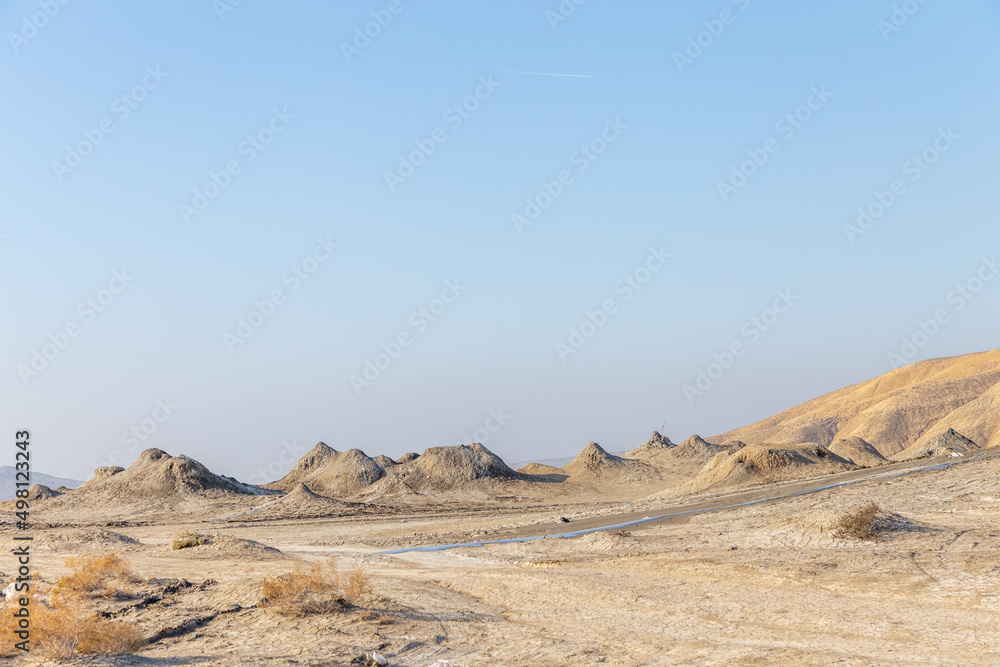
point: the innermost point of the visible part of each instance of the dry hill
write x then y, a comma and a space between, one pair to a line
447, 468
539, 469
679, 463
905, 407
301, 503
858, 451
754, 465
352, 474
157, 475
156, 485
656, 444
594, 463
946, 444
384, 461
328, 472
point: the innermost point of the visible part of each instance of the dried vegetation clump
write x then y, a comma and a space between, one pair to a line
864, 524
186, 539
61, 622
321, 589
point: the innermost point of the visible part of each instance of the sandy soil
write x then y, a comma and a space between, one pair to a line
764, 584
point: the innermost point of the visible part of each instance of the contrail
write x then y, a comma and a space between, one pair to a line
576, 76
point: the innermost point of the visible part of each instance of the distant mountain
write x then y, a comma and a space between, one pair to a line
8, 482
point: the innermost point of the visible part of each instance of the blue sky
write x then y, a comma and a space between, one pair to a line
203, 84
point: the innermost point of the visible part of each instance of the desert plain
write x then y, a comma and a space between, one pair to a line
726, 551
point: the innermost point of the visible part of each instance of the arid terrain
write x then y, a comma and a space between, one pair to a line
751, 563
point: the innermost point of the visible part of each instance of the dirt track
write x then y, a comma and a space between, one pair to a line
655, 514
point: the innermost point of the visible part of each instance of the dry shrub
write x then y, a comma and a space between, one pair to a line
8, 630
320, 590
62, 625
91, 576
861, 525
187, 539
358, 585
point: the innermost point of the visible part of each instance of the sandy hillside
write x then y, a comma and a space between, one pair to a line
902, 408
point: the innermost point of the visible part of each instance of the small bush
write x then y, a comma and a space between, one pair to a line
320, 590
187, 539
91, 576
62, 626
358, 585
861, 525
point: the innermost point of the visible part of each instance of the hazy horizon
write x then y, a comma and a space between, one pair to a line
231, 226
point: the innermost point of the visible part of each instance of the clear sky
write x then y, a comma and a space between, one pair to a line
170, 167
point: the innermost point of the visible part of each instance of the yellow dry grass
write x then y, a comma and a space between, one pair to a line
62, 626
321, 589
97, 575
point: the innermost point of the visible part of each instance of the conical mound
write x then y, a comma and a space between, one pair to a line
35, 492
596, 464
156, 475
452, 466
947, 443
104, 472
858, 451
697, 448
331, 473
656, 444
538, 469
41, 492
384, 461
302, 503
472, 470
594, 459
301, 493
754, 465
679, 463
